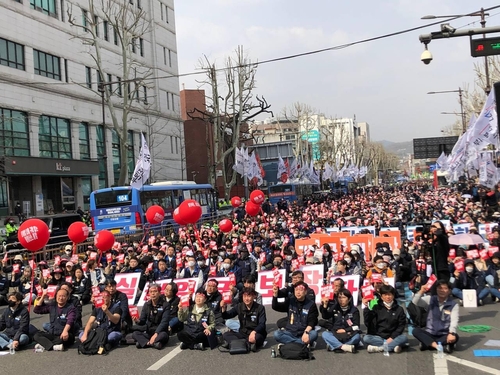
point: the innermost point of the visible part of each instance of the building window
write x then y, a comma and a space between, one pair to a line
96, 26
169, 58
88, 76
14, 136
139, 4
165, 55
110, 85
119, 87
84, 141
115, 145
45, 6
47, 65
86, 188
161, 11
85, 21
141, 46
11, 54
62, 10
66, 73
176, 145
101, 155
145, 91
105, 27
54, 137
171, 144
166, 13
168, 100
115, 36
133, 45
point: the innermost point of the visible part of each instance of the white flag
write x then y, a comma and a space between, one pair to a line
294, 169
485, 131
281, 167
142, 167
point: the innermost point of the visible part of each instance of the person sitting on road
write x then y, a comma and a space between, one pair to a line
151, 329
122, 299
61, 333
214, 298
170, 293
14, 323
385, 322
81, 286
95, 274
199, 325
344, 334
471, 278
493, 276
288, 291
252, 318
442, 318
107, 318
24, 285
302, 316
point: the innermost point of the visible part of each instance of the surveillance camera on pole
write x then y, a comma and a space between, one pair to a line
426, 56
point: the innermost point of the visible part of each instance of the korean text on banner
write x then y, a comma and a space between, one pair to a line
265, 285
127, 283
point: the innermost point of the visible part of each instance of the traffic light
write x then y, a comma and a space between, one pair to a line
485, 47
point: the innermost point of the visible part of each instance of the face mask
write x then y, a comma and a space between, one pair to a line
12, 303
469, 269
226, 266
388, 305
288, 257
191, 263
348, 260
380, 265
222, 254
201, 263
277, 264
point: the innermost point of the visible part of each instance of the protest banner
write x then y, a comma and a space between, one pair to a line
265, 283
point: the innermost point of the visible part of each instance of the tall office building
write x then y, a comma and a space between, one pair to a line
55, 145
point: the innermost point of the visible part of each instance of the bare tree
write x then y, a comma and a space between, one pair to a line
230, 109
127, 24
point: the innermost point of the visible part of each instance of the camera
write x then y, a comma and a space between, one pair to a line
426, 57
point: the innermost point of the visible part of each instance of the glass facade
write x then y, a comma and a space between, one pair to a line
45, 6
101, 155
115, 144
11, 54
47, 65
14, 135
54, 137
84, 141
130, 154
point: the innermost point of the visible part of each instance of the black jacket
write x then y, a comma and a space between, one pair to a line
349, 320
155, 318
15, 323
383, 322
253, 319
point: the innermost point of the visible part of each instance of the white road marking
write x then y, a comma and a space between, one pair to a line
440, 365
488, 370
163, 361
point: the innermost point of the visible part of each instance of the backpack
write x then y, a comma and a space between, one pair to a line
96, 339
418, 315
294, 350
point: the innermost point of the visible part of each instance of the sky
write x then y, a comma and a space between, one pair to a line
382, 82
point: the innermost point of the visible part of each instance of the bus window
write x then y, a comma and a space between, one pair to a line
113, 198
202, 198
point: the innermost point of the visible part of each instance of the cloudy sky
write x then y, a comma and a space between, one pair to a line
382, 82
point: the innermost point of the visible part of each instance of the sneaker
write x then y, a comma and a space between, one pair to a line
374, 349
108, 347
39, 347
199, 346
101, 350
138, 346
253, 347
158, 345
348, 348
422, 347
313, 345
184, 346
398, 349
58, 348
481, 303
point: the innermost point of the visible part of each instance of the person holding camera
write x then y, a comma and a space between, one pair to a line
440, 251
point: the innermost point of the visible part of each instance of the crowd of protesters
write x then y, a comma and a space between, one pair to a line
260, 243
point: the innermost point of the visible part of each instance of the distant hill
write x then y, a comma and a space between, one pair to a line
398, 148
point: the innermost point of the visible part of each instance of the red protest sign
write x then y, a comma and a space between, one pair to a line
93, 255
150, 267
51, 291
121, 258
74, 259
16, 268
46, 273
484, 254
185, 300
227, 297
57, 260
95, 291
213, 271
69, 279
39, 289
134, 312
459, 265
367, 292
431, 281
98, 301
232, 280
109, 257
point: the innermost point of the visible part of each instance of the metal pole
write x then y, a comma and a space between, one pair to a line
487, 89
464, 126
100, 88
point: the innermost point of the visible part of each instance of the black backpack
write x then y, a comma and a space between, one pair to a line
294, 350
97, 338
418, 315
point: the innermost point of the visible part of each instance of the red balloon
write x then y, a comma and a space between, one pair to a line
226, 225
178, 218
104, 240
190, 211
257, 197
33, 234
235, 202
252, 209
155, 214
78, 231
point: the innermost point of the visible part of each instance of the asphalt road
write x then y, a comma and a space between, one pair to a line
129, 360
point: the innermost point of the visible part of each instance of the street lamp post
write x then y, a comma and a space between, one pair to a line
481, 13
460, 96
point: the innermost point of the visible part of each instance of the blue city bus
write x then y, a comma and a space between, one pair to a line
343, 186
122, 209
290, 192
